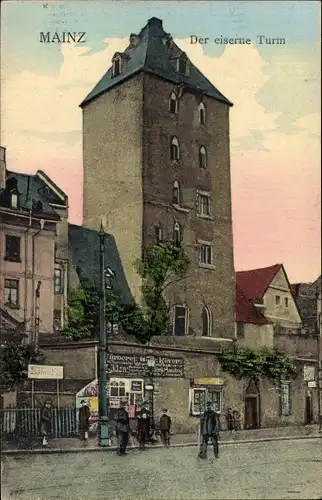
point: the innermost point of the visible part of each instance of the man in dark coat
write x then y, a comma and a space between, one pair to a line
209, 429
45, 422
122, 430
83, 419
143, 427
165, 426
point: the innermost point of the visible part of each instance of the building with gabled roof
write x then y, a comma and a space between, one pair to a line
269, 290
157, 167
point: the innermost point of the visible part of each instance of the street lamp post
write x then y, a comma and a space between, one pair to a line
102, 374
151, 365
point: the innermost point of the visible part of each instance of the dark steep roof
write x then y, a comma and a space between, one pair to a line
33, 194
152, 55
84, 249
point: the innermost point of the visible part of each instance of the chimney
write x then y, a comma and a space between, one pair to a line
2, 167
134, 40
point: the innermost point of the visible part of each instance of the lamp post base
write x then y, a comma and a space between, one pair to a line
103, 435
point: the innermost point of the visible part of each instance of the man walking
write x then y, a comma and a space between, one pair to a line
209, 429
122, 430
83, 419
165, 426
45, 422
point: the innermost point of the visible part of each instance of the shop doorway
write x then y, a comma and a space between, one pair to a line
252, 406
308, 408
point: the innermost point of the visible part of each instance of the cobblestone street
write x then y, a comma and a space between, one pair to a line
267, 470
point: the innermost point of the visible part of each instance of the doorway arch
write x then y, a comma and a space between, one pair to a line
252, 405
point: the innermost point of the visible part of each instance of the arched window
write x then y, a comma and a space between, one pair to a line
202, 113
116, 65
175, 149
158, 234
176, 233
176, 194
202, 157
206, 322
173, 103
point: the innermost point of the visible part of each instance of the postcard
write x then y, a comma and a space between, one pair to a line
160, 256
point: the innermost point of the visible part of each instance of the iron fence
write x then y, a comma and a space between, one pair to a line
24, 422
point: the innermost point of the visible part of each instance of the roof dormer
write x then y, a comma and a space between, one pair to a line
117, 64
183, 64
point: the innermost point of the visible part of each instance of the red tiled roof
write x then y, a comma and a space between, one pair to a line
246, 312
255, 282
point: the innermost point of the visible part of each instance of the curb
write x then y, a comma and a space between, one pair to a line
50, 451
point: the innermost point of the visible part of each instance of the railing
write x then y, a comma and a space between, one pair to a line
24, 422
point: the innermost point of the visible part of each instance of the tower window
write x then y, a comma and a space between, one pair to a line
177, 233
204, 204
202, 157
205, 254
176, 193
173, 104
206, 322
175, 149
202, 113
180, 323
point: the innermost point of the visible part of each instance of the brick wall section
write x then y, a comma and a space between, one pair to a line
213, 287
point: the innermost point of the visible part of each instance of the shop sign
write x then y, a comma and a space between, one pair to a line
136, 386
136, 366
209, 381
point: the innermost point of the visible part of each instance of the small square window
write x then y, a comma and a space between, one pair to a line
277, 300
12, 248
205, 254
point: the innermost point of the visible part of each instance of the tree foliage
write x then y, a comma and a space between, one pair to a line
162, 265
14, 361
243, 362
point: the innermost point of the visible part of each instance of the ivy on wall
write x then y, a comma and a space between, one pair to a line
243, 363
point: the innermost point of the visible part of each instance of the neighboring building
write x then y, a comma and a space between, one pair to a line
308, 299
28, 225
269, 291
157, 167
267, 316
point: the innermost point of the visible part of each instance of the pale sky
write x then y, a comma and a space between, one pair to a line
275, 121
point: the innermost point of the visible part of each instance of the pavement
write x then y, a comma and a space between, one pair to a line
74, 445
288, 469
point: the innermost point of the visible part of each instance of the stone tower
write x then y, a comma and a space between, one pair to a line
157, 165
